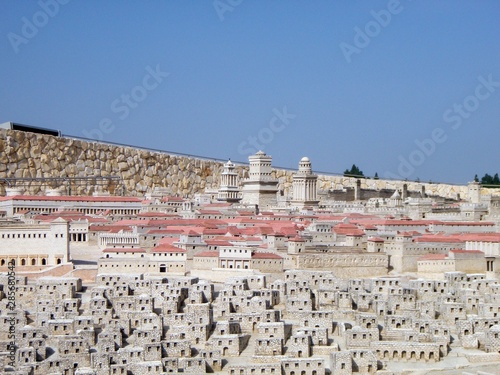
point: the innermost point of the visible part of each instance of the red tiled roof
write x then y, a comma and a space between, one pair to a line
461, 251
481, 237
168, 240
348, 230
213, 231
433, 257
167, 248
165, 231
109, 228
172, 199
439, 238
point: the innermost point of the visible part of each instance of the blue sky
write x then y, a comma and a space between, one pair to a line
407, 89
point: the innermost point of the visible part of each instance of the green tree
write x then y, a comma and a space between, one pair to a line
354, 172
376, 176
496, 180
487, 179
490, 180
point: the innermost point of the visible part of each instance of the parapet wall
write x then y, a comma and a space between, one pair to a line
29, 155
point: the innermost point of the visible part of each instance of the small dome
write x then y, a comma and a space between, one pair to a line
305, 158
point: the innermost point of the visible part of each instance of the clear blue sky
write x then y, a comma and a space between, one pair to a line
362, 81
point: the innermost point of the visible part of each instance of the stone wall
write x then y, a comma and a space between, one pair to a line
29, 155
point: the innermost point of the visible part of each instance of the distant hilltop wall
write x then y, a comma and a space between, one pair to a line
30, 155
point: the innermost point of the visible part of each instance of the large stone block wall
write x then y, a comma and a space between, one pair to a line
28, 155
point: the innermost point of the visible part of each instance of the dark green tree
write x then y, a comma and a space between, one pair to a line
354, 172
376, 176
490, 180
476, 179
496, 180
487, 179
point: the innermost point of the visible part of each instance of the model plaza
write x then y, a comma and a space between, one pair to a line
251, 279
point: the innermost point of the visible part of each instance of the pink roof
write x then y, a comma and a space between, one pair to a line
245, 213
165, 231
213, 231
167, 248
439, 238
172, 199
168, 240
138, 222
109, 228
433, 257
460, 251
484, 237
348, 230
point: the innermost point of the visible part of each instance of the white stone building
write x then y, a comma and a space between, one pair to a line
304, 185
229, 190
260, 188
35, 245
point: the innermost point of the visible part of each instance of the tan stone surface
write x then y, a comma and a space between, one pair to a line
29, 155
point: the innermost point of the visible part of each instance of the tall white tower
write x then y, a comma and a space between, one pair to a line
260, 187
229, 190
304, 185
474, 190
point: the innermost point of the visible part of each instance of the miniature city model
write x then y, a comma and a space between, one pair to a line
255, 277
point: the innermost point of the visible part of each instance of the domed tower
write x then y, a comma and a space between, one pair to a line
260, 187
304, 185
229, 190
